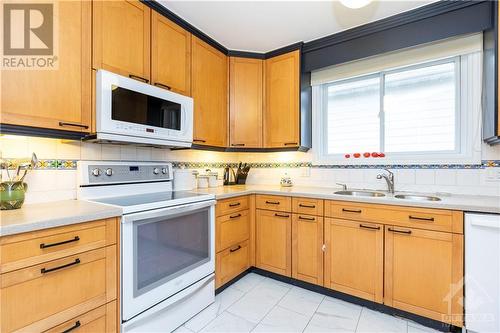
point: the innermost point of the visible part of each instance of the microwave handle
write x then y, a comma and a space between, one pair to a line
166, 211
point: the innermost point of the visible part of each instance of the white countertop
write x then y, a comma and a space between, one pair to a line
471, 203
39, 216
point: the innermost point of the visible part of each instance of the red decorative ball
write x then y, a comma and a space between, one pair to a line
347, 155
367, 155
381, 155
357, 155
374, 154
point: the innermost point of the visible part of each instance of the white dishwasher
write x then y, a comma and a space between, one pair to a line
482, 272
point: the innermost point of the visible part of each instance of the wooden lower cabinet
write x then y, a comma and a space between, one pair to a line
230, 229
273, 241
231, 262
354, 258
307, 248
424, 273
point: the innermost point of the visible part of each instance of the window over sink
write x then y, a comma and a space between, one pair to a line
418, 106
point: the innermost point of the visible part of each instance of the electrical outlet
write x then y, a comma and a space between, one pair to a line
493, 175
305, 171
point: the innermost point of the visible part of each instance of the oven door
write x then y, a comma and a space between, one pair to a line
164, 251
129, 108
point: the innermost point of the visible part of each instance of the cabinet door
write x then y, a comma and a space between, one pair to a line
170, 55
307, 253
354, 258
231, 262
209, 91
423, 273
121, 37
281, 120
55, 98
273, 241
245, 98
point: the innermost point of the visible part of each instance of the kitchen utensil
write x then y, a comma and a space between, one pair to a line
212, 179
229, 176
184, 180
202, 181
242, 173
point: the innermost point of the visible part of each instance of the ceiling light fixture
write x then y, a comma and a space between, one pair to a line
355, 4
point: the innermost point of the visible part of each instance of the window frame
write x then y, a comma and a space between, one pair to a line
464, 137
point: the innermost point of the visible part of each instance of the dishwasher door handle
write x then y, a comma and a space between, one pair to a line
485, 224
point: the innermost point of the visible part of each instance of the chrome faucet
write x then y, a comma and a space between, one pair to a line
344, 186
389, 178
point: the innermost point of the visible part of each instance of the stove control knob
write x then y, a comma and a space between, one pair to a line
156, 171
164, 171
109, 172
96, 172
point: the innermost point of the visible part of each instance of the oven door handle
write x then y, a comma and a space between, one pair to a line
167, 211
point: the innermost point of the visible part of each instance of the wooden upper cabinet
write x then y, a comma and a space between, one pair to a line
170, 55
209, 76
245, 102
354, 258
121, 38
56, 98
281, 112
424, 272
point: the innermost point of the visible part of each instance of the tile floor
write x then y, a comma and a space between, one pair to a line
259, 304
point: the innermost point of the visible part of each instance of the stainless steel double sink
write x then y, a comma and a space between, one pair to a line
375, 194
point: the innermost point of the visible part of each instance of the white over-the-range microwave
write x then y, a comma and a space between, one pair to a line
130, 111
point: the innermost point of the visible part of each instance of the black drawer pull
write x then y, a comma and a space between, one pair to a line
234, 204
235, 216
281, 215
161, 85
430, 219
44, 246
307, 218
237, 144
77, 324
137, 77
290, 144
235, 249
369, 227
63, 123
199, 140
408, 232
307, 206
272, 202
48, 270
351, 210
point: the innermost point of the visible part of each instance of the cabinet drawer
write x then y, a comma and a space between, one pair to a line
232, 229
27, 249
101, 319
274, 202
231, 262
307, 206
229, 206
34, 298
422, 218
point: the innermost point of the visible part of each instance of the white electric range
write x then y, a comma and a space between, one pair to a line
167, 242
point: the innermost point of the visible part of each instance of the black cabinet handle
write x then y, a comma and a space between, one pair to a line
199, 140
351, 210
290, 144
64, 123
235, 249
234, 204
408, 232
430, 219
137, 77
235, 216
307, 218
369, 227
48, 270
272, 202
281, 215
77, 324
161, 85
44, 246
307, 206
237, 144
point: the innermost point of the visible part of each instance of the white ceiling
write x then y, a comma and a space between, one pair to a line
262, 26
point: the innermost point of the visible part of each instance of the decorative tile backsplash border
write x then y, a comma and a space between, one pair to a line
59, 164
